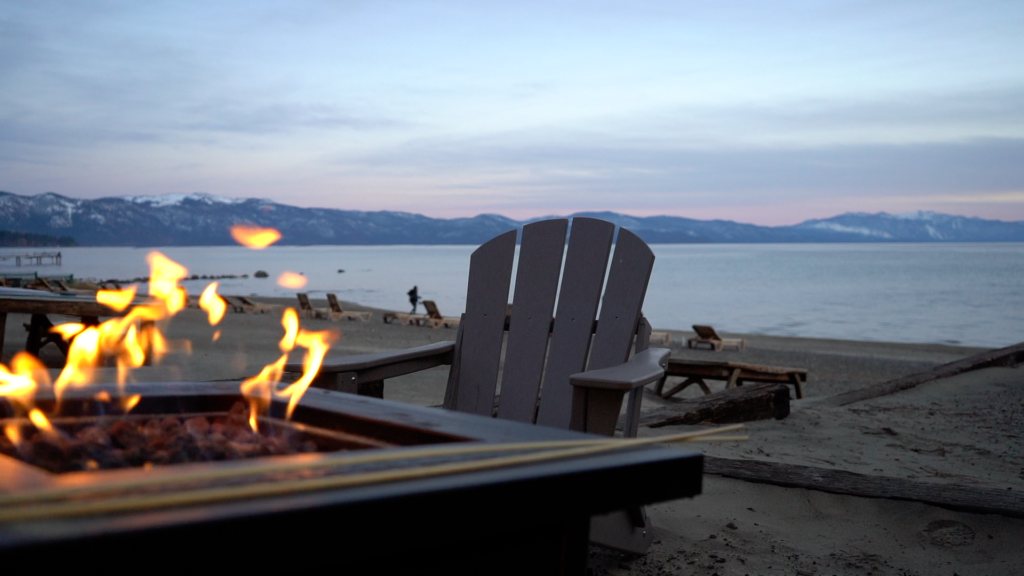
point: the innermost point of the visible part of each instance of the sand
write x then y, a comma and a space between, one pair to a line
964, 430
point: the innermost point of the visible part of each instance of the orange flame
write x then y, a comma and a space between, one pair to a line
291, 280
69, 330
129, 402
213, 304
261, 389
116, 299
43, 424
13, 434
20, 385
136, 338
131, 339
163, 282
317, 345
254, 236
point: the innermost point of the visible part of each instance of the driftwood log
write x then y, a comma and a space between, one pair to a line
744, 404
965, 498
1009, 356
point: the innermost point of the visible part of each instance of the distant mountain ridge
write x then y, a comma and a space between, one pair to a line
203, 220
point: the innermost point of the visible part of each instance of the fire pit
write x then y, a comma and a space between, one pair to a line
356, 495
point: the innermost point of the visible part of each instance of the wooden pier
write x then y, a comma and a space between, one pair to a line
38, 259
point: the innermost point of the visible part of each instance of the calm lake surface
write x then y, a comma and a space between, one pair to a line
969, 294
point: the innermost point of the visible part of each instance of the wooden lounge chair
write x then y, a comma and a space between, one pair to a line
434, 318
337, 313
661, 338
732, 373
709, 339
235, 305
42, 284
309, 311
546, 377
408, 319
251, 306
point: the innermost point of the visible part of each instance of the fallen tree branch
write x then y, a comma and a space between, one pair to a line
1009, 356
965, 498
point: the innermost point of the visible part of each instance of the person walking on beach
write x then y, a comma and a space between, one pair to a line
414, 298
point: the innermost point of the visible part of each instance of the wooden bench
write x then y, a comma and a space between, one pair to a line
733, 373
40, 305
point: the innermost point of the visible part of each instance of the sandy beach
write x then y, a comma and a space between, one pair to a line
958, 431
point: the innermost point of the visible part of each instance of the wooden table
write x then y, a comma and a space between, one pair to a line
527, 519
40, 304
733, 373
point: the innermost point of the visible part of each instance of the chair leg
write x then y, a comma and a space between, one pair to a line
660, 385
684, 384
732, 378
624, 530
798, 385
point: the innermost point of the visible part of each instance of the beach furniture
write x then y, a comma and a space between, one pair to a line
40, 304
434, 318
338, 313
234, 304
42, 284
732, 373
309, 311
251, 306
708, 339
544, 350
409, 319
661, 338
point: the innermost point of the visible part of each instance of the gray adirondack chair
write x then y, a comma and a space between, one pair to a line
564, 368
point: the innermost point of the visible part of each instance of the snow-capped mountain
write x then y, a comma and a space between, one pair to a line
204, 220
912, 227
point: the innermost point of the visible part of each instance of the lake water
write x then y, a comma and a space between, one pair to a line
970, 294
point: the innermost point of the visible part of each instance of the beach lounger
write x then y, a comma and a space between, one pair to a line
42, 284
233, 304
661, 338
732, 373
585, 367
251, 306
434, 318
337, 313
708, 339
309, 311
408, 319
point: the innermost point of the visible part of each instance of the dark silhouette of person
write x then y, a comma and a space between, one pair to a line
414, 298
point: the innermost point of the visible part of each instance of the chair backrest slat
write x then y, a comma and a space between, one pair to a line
432, 310
706, 332
490, 272
332, 300
623, 298
303, 301
582, 279
540, 262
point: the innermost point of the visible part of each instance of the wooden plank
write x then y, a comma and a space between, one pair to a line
490, 273
451, 390
370, 360
540, 263
623, 299
742, 404
582, 279
965, 498
66, 306
1009, 356
620, 311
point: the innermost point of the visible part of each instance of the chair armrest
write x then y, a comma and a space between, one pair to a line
642, 369
363, 362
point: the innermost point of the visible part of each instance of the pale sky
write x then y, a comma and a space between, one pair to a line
762, 112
